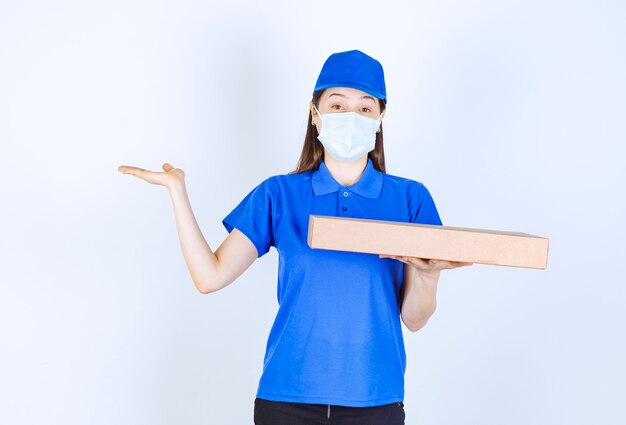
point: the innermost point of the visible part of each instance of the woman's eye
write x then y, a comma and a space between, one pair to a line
336, 107
366, 110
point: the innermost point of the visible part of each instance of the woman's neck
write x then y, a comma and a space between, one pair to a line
345, 173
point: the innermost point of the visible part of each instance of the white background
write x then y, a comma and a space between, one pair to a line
511, 112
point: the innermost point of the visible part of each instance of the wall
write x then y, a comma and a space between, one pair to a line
510, 112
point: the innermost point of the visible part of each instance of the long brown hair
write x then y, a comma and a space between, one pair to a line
313, 151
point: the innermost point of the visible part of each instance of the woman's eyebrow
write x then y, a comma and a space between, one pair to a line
343, 95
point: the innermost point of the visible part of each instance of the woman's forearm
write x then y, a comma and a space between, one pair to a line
420, 297
201, 260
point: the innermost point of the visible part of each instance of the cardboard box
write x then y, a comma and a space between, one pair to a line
428, 241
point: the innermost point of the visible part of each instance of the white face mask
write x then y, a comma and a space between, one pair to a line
347, 135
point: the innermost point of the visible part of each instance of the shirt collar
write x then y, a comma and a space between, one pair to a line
369, 185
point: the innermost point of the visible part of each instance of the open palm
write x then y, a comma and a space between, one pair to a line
168, 177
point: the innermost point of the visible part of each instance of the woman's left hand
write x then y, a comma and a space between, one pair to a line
427, 265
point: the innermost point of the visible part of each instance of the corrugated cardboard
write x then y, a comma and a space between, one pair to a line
428, 241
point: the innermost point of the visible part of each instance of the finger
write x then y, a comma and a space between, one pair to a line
167, 167
460, 263
455, 264
153, 177
127, 169
403, 258
393, 257
420, 263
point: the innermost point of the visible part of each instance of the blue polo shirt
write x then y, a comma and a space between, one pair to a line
337, 336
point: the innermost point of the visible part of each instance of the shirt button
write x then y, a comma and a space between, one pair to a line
344, 208
345, 194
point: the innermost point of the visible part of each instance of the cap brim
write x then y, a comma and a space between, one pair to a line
368, 90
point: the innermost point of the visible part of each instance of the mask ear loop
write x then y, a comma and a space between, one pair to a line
318, 114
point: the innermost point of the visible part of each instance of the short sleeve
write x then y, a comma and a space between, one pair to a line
253, 217
422, 207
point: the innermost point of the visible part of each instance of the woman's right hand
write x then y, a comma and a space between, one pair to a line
172, 177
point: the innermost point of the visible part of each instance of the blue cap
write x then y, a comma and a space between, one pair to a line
353, 69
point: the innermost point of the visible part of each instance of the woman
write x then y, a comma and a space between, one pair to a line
335, 352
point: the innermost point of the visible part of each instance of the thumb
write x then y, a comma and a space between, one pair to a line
167, 167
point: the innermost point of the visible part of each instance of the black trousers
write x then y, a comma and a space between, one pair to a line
269, 412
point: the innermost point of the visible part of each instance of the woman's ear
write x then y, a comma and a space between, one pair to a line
314, 115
